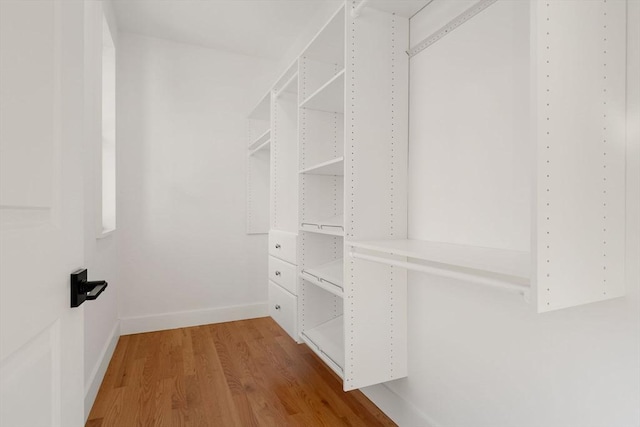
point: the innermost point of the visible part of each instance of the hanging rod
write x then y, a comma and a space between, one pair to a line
450, 26
355, 10
506, 285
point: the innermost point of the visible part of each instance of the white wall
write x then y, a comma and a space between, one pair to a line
481, 358
183, 254
101, 316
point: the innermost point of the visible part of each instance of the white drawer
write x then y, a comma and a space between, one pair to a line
284, 274
283, 245
282, 308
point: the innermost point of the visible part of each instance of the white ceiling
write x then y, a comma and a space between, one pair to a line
264, 28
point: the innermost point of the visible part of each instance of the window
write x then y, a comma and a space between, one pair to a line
108, 130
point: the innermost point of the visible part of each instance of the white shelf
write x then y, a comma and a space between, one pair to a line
505, 269
332, 226
259, 141
329, 276
289, 87
331, 167
327, 341
329, 97
265, 145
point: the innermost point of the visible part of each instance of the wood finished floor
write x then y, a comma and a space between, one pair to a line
245, 373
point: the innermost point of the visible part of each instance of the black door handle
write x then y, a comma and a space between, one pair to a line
82, 289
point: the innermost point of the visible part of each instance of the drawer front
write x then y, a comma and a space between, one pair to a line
282, 308
283, 245
283, 273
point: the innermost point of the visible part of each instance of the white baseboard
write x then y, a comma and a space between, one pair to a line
402, 412
97, 375
183, 319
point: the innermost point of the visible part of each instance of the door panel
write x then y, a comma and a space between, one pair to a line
32, 364
41, 211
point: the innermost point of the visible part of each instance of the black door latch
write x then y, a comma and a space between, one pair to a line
82, 290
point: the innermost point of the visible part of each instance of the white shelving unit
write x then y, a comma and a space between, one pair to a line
333, 160
337, 122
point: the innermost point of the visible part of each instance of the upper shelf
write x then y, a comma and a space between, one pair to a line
329, 97
260, 140
514, 264
330, 167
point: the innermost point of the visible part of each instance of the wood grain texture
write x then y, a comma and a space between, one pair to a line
246, 373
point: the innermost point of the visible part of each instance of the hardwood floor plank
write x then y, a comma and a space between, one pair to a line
122, 376
164, 413
116, 362
113, 414
214, 383
150, 378
242, 405
248, 373
96, 422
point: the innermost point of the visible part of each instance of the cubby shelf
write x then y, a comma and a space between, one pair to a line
330, 167
329, 97
508, 269
259, 141
332, 226
327, 276
327, 341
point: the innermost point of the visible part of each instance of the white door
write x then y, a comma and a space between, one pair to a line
41, 212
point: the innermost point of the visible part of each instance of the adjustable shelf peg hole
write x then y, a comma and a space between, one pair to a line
82, 289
